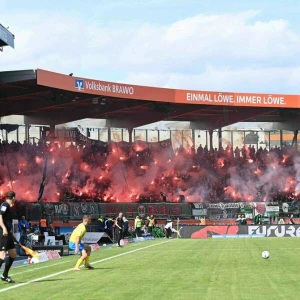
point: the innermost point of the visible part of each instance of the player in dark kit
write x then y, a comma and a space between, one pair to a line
6, 236
119, 228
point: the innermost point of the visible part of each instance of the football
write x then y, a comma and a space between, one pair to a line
265, 254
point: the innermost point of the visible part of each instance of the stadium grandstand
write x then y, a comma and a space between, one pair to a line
179, 189
6, 38
120, 163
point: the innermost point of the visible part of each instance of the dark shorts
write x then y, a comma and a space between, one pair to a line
6, 242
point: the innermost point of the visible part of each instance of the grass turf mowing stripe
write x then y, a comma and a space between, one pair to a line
32, 270
68, 270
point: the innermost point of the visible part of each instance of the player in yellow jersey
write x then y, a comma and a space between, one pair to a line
76, 245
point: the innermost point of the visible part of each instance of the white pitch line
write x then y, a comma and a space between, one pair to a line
14, 286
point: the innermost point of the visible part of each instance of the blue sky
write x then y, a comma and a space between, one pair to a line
153, 11
250, 46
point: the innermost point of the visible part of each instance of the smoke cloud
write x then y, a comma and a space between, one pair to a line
117, 172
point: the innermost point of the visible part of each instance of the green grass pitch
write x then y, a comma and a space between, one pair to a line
168, 269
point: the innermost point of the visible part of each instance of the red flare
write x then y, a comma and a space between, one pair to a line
221, 162
38, 160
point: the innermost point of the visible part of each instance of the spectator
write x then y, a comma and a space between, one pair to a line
151, 224
119, 224
108, 226
43, 225
100, 222
292, 219
138, 226
23, 225
243, 220
238, 221
169, 229
225, 177
125, 227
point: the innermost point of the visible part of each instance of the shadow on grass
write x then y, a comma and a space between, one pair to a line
37, 281
95, 268
50, 280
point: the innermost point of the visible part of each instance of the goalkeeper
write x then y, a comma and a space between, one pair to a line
75, 244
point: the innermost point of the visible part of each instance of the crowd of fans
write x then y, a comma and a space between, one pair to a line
120, 172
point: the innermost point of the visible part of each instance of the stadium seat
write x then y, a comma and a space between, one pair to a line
49, 240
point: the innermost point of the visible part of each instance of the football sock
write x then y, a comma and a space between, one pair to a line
8, 264
79, 262
1, 262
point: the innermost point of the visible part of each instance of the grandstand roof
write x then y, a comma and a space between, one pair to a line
6, 37
50, 98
